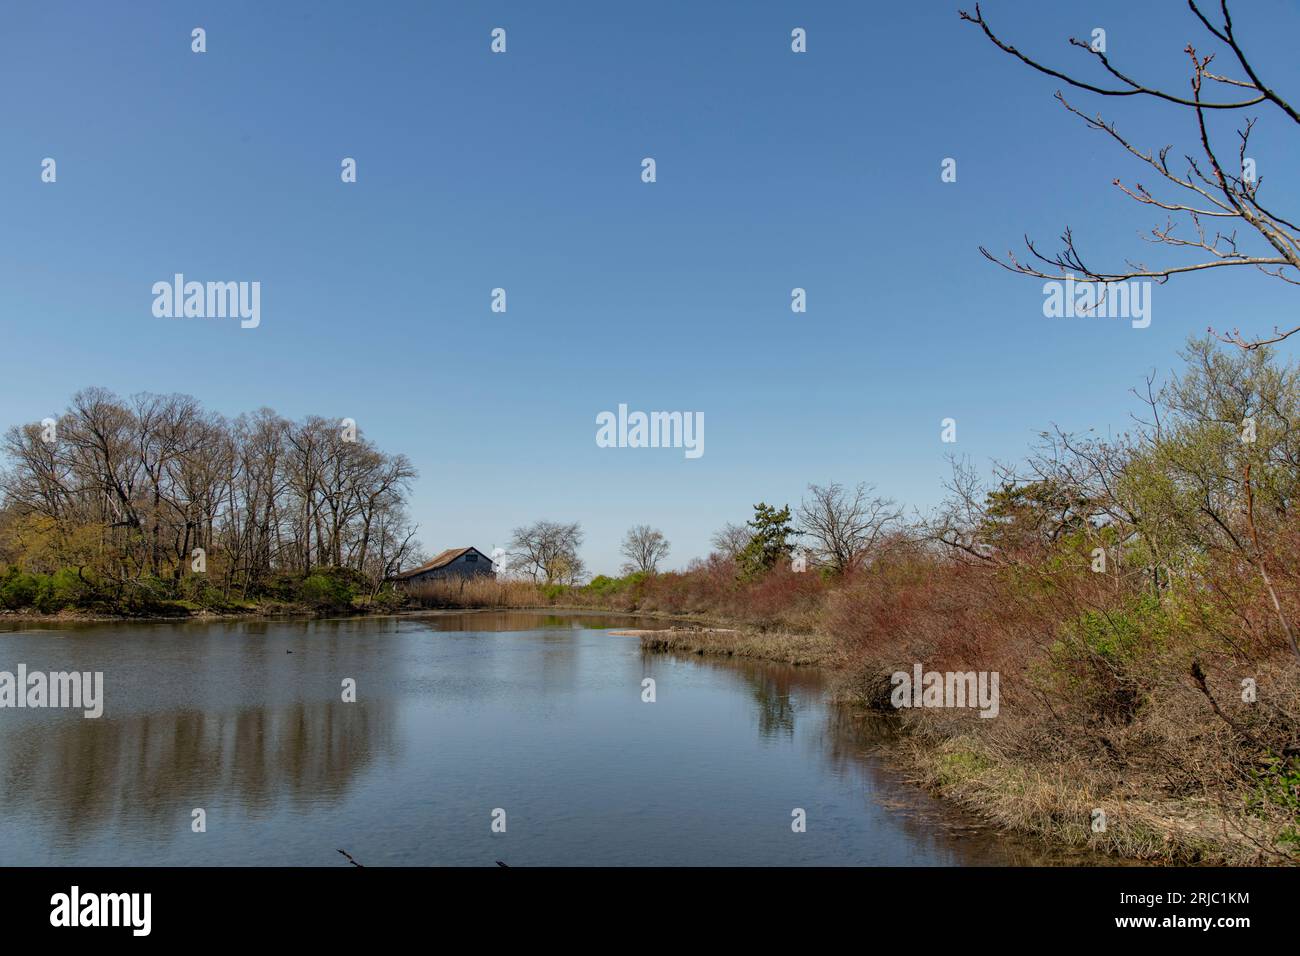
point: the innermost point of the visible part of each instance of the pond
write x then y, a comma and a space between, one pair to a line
464, 725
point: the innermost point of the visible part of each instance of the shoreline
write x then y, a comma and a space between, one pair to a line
800, 650
947, 758
1015, 797
288, 612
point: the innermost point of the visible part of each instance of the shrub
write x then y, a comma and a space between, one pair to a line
18, 590
46, 600
603, 586
70, 589
47, 593
326, 589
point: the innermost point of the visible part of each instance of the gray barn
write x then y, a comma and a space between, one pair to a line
453, 563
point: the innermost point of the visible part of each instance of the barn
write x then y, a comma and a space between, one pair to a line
452, 563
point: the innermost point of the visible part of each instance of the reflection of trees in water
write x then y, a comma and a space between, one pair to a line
851, 733
142, 768
780, 691
853, 743
856, 738
775, 709
529, 621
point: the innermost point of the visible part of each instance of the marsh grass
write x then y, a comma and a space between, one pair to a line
798, 649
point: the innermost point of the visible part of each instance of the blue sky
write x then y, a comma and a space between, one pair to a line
522, 171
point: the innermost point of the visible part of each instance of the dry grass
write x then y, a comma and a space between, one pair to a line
1056, 802
1099, 707
1177, 783
801, 649
480, 592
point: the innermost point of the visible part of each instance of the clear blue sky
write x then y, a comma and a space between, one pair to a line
522, 171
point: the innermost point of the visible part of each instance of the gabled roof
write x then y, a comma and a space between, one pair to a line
441, 561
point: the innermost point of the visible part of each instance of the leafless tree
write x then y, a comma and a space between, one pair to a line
1214, 196
957, 523
644, 547
547, 552
845, 526
130, 489
730, 539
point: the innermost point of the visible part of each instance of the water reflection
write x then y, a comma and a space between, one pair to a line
498, 621
849, 741
456, 713
779, 691
142, 769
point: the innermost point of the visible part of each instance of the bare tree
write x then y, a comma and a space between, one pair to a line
129, 490
644, 547
547, 552
959, 521
1214, 196
846, 526
731, 539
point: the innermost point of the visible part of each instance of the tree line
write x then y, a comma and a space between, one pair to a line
155, 493
839, 529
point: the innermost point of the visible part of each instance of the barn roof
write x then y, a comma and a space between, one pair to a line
442, 560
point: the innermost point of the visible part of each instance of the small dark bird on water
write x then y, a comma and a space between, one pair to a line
506, 865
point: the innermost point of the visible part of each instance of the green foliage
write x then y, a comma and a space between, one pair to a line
46, 601
1038, 510
49, 593
388, 599
325, 589
18, 590
329, 589
70, 588
281, 586
1122, 634
602, 585
1108, 659
211, 598
1277, 785
1230, 413
770, 543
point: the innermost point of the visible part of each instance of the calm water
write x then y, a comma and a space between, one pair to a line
455, 716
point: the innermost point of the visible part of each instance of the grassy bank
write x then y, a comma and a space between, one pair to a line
989, 771
1048, 801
